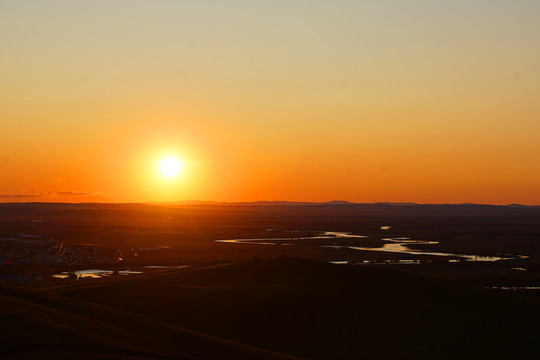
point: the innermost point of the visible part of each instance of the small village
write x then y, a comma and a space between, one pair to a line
24, 249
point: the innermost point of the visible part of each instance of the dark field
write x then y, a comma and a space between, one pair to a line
237, 301
459, 228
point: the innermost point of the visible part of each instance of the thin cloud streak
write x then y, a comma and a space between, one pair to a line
36, 194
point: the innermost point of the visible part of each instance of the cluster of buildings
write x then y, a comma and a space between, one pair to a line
26, 249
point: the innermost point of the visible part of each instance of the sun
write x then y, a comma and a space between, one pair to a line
170, 167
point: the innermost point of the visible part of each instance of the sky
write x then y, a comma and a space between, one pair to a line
304, 100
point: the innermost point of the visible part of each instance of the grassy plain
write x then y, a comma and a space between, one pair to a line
238, 301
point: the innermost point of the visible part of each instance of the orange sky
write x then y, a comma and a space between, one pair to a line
285, 100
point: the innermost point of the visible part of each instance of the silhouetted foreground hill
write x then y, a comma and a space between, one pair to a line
36, 325
299, 307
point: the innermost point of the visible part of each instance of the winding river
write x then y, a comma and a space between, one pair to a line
393, 245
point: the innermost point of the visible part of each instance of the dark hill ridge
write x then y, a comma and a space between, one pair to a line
322, 311
37, 325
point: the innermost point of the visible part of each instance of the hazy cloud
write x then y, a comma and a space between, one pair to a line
77, 193
23, 194
17, 196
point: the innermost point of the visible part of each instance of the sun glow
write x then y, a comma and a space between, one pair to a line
170, 167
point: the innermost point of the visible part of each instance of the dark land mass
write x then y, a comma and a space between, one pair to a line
484, 228
299, 307
39, 325
251, 301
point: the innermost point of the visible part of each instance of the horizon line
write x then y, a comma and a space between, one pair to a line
267, 202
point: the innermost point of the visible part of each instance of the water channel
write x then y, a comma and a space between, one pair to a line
398, 245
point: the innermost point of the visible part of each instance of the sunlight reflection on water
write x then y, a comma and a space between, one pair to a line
94, 273
393, 245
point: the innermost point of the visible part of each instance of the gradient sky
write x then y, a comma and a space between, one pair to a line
424, 101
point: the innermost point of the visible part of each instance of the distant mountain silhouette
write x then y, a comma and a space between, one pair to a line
332, 202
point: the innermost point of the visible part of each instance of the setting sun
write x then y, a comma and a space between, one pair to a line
170, 167
159, 158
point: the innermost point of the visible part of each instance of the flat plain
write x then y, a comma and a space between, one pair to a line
195, 297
